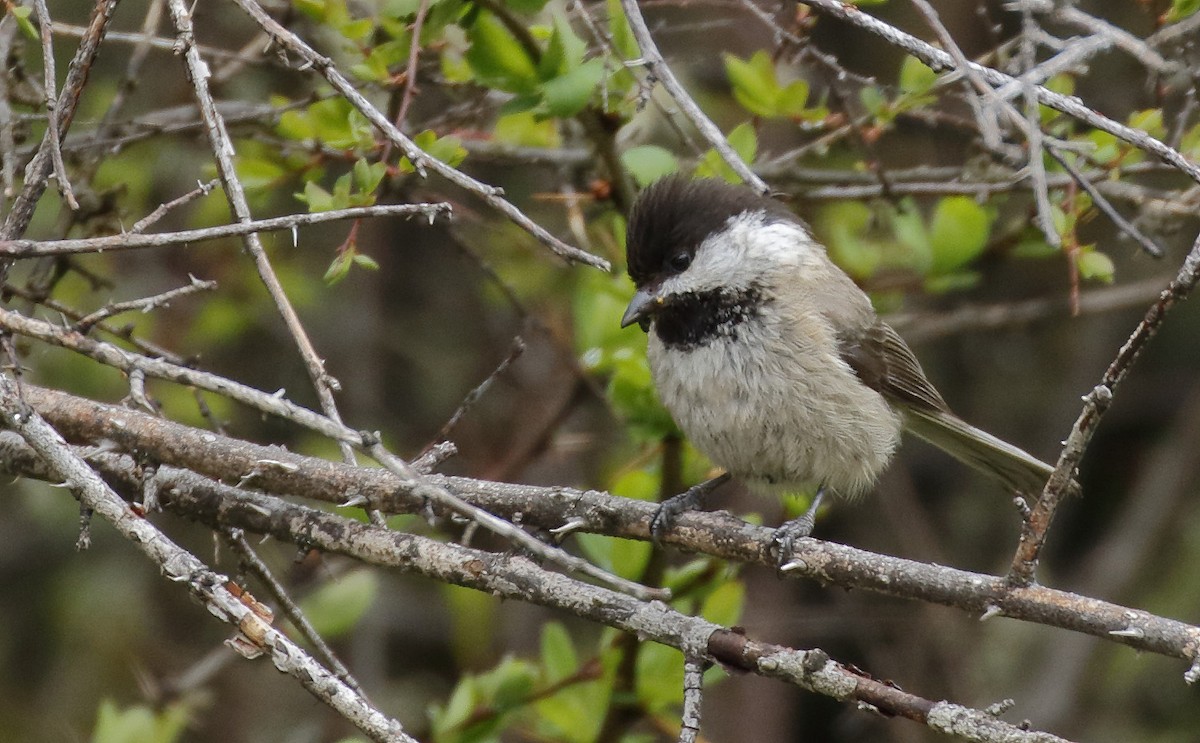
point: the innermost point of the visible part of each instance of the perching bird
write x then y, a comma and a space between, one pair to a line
773, 361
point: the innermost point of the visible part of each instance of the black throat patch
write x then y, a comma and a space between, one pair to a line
691, 320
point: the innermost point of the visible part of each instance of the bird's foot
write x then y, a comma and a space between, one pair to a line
691, 499
790, 532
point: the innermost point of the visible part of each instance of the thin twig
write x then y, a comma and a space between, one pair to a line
223, 153
250, 558
201, 189
1096, 402
8, 144
49, 86
223, 599
941, 61
146, 304
1104, 206
420, 160
134, 241
659, 69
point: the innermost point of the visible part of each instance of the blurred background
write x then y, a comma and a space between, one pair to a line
96, 646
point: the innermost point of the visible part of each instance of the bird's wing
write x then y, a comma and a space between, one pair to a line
885, 363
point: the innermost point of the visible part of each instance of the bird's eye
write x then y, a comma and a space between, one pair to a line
680, 261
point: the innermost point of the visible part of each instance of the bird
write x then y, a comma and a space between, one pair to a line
773, 362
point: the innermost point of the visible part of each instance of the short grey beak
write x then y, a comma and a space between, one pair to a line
643, 304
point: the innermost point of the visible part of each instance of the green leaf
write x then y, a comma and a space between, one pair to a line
1181, 9
564, 52
793, 98
21, 13
1150, 121
622, 36
754, 84
844, 226
526, 130
949, 282
569, 94
317, 198
648, 163
498, 59
958, 233
365, 261
873, 100
1096, 265
744, 142
336, 607
915, 77
659, 676
139, 723
1034, 247
259, 172
447, 149
724, 605
367, 176
346, 258
558, 653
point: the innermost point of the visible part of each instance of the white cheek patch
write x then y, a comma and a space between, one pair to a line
750, 248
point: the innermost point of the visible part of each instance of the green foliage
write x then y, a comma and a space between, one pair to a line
916, 85
744, 142
757, 88
139, 723
448, 149
940, 248
557, 697
648, 163
21, 13
337, 606
1181, 9
554, 82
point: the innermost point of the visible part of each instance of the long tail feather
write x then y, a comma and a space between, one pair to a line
1012, 467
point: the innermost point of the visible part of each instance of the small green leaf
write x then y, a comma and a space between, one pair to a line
498, 58
564, 52
744, 142
873, 100
1034, 247
792, 99
139, 723
1096, 265
754, 84
915, 77
365, 261
724, 605
526, 130
648, 163
958, 233
336, 607
844, 226
317, 198
622, 36
957, 281
569, 94
1181, 9
257, 172
1149, 120
21, 13
367, 176
558, 653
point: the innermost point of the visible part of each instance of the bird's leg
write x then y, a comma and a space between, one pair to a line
798, 528
689, 500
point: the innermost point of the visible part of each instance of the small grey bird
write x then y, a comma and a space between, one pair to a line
773, 361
